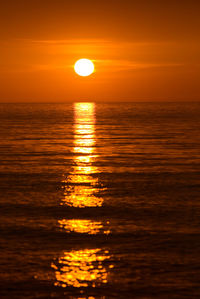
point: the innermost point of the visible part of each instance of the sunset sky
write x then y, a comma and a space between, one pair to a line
142, 50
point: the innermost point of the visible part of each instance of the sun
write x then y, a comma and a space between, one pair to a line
84, 67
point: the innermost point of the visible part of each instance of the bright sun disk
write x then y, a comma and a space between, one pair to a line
84, 67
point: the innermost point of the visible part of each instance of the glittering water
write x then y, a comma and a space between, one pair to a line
100, 200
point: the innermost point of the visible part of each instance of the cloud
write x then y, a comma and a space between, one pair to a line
126, 65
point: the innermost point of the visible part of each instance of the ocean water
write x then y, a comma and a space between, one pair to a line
100, 200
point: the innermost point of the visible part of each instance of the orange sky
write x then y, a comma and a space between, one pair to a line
142, 50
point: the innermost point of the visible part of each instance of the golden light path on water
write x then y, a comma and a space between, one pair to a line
83, 226
82, 268
85, 267
81, 186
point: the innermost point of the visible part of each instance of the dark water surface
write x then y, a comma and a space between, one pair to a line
100, 200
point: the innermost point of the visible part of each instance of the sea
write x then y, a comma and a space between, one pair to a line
100, 200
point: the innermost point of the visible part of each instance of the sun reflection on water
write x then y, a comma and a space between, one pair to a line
82, 268
83, 226
81, 188
86, 267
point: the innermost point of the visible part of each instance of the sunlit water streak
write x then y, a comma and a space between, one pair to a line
80, 186
83, 268
83, 226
